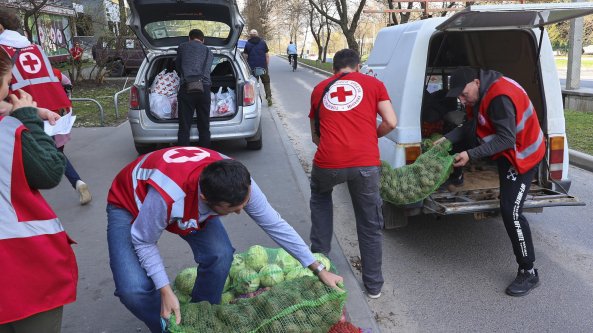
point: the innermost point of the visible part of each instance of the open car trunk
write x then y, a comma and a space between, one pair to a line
513, 53
224, 90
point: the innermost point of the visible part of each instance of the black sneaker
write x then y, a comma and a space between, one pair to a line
523, 283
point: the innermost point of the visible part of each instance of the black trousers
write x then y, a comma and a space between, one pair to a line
187, 103
513, 191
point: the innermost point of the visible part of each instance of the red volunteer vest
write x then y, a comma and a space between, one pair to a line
39, 271
530, 146
32, 73
174, 172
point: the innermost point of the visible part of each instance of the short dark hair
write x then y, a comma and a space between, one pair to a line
196, 34
9, 20
225, 181
346, 58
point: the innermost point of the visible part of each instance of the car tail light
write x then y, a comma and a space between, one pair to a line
556, 157
248, 94
134, 98
412, 153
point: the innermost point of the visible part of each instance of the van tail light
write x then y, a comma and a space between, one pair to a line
556, 157
412, 153
134, 98
248, 93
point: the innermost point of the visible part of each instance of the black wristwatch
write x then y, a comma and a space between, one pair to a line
318, 269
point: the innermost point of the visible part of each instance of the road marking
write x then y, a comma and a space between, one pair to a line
305, 85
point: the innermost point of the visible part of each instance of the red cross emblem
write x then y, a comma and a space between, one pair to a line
30, 62
341, 93
185, 154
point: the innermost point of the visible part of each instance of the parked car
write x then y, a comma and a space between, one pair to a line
161, 34
120, 55
416, 59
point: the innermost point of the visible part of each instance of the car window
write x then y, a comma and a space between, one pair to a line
180, 28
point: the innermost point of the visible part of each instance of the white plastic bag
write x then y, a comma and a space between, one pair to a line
225, 102
165, 83
213, 104
160, 106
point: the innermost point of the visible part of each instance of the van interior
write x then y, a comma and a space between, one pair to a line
222, 75
509, 52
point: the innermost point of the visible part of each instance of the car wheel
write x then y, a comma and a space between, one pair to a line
142, 148
255, 142
118, 69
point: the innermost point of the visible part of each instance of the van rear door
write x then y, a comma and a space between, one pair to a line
504, 17
515, 16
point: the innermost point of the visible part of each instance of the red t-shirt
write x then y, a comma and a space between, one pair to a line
348, 121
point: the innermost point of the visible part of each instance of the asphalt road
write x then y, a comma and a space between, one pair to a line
449, 274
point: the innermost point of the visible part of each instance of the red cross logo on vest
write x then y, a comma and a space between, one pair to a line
344, 95
30, 63
185, 154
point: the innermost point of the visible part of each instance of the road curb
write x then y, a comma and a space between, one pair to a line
359, 312
581, 160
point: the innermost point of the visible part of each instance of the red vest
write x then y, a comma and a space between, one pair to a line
174, 172
530, 146
39, 271
32, 73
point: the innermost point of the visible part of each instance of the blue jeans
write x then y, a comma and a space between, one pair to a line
212, 249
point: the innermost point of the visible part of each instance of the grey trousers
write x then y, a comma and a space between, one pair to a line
47, 322
363, 185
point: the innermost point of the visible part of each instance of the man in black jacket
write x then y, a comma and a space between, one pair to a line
194, 60
256, 52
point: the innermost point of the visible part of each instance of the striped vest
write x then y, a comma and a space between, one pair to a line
32, 72
39, 271
174, 173
530, 146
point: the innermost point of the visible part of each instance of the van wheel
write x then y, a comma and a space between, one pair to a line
144, 148
393, 216
118, 69
255, 142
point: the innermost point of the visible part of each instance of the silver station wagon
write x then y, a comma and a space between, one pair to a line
161, 26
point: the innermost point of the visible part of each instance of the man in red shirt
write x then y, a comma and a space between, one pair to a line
343, 119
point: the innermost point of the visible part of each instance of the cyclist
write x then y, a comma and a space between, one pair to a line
291, 50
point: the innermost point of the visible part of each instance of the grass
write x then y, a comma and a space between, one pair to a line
87, 113
326, 66
586, 62
578, 130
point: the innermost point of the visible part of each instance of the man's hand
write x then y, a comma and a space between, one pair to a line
48, 115
169, 303
315, 139
461, 159
330, 279
24, 100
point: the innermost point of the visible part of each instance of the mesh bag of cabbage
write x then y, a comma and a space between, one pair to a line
414, 182
269, 290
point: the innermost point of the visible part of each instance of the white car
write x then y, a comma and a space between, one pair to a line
161, 26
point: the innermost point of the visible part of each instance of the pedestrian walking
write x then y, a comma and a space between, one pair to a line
256, 52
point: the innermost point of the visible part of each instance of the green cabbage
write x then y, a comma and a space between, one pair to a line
237, 266
271, 275
247, 281
286, 261
297, 273
185, 280
256, 257
227, 298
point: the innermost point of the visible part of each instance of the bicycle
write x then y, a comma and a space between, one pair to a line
294, 61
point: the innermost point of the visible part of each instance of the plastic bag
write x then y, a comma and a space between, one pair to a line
225, 102
165, 83
212, 104
160, 106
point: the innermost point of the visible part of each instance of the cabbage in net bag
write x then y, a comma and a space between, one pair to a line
414, 182
267, 290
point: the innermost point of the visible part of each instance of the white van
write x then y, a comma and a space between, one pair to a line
415, 59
